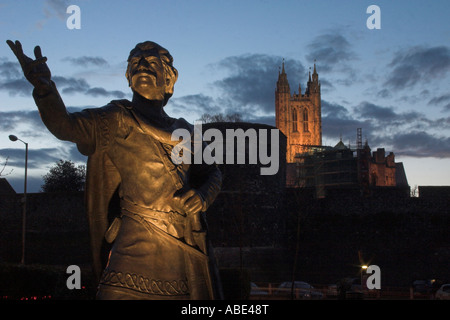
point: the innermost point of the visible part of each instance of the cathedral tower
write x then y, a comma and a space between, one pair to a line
299, 116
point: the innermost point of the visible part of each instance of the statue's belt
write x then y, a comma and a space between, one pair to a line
194, 247
171, 217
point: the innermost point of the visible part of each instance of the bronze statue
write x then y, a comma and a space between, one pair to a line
159, 247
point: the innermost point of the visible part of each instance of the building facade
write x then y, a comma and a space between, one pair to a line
309, 163
298, 116
339, 166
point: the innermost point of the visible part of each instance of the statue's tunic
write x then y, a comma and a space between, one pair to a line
158, 251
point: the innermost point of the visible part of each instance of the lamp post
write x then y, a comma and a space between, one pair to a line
24, 199
363, 268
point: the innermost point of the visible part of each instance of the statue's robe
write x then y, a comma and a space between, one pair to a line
158, 251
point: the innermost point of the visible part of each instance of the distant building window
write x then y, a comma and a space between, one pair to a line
294, 120
305, 120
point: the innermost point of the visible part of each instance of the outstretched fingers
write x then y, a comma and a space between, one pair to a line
37, 52
16, 49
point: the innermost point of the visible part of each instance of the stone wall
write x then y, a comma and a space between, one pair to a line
56, 228
407, 237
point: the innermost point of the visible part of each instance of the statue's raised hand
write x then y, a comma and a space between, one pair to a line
35, 71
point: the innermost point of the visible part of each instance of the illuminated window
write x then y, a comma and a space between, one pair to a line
294, 120
305, 120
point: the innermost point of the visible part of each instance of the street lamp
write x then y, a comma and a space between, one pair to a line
24, 200
363, 267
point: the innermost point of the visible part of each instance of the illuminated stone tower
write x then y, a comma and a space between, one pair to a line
299, 116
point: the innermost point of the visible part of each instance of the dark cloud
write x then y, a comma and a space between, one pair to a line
101, 92
326, 85
53, 8
420, 144
332, 52
375, 112
443, 100
269, 120
405, 133
196, 103
86, 61
71, 85
37, 158
386, 118
13, 82
338, 122
80, 86
9, 70
16, 87
247, 89
418, 64
252, 79
384, 93
10, 120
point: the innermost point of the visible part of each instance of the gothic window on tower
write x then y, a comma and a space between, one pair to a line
294, 120
305, 120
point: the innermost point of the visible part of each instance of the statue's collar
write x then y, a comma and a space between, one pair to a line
163, 135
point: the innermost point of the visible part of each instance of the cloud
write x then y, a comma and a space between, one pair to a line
412, 65
71, 85
53, 8
375, 112
39, 161
405, 133
334, 110
36, 157
338, 122
421, 144
196, 103
101, 92
56, 7
384, 93
252, 78
86, 61
9, 70
247, 88
15, 87
441, 100
332, 52
11, 120
13, 82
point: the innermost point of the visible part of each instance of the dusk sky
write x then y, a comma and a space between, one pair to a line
392, 82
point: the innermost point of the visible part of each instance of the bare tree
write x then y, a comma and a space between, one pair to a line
3, 167
220, 117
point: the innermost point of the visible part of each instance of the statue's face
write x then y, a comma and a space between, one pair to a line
146, 74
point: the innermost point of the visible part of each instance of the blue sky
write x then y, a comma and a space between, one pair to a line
392, 82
